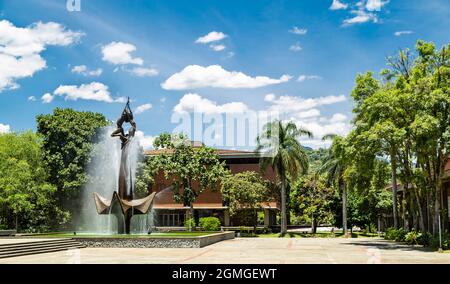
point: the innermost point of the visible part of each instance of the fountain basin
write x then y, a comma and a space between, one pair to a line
155, 240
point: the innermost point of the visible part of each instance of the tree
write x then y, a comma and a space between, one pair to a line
24, 193
191, 170
244, 191
311, 199
68, 138
407, 114
283, 152
336, 166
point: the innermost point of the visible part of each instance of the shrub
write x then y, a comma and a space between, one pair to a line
210, 223
400, 235
390, 234
189, 223
412, 238
424, 239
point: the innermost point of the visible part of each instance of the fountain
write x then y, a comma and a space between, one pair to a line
122, 203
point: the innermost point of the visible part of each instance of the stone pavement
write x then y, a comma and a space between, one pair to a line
253, 251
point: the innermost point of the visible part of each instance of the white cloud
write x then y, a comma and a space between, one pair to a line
195, 76
295, 47
145, 141
143, 72
303, 78
217, 47
375, 5
211, 37
298, 31
337, 5
4, 128
287, 104
360, 17
47, 98
83, 70
400, 33
118, 53
20, 49
337, 117
269, 97
143, 108
94, 91
195, 103
31, 99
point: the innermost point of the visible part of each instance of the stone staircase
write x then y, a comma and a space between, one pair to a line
37, 247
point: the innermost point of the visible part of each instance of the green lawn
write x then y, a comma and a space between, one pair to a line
154, 235
309, 235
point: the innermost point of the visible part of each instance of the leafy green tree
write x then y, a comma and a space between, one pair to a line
282, 151
336, 166
191, 170
311, 199
68, 138
24, 192
244, 191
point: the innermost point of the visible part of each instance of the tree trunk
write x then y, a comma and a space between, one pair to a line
344, 208
314, 224
191, 213
283, 207
394, 188
17, 223
256, 221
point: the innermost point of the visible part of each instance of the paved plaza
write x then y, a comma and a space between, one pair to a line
253, 251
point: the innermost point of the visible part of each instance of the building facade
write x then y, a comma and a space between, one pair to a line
168, 213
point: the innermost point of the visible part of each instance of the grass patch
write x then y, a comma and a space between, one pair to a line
338, 234
117, 236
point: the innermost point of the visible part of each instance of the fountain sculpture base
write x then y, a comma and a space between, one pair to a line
126, 209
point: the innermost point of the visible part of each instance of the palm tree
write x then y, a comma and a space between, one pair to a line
284, 153
335, 166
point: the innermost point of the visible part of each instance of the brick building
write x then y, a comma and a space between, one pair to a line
209, 203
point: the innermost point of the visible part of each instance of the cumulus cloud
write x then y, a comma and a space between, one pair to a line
365, 11
211, 37
20, 49
4, 128
303, 78
47, 98
217, 47
298, 31
360, 17
190, 103
337, 5
375, 5
143, 72
195, 76
400, 33
83, 70
143, 108
118, 53
31, 99
145, 141
286, 104
94, 91
295, 47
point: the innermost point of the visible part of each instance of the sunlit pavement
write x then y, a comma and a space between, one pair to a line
253, 251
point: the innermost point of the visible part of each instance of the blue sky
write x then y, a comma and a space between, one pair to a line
298, 58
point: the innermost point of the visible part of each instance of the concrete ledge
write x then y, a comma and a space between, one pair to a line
155, 242
7, 232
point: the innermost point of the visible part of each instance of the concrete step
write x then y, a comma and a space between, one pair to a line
38, 247
34, 243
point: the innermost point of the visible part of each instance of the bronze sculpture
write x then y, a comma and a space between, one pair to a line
124, 196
